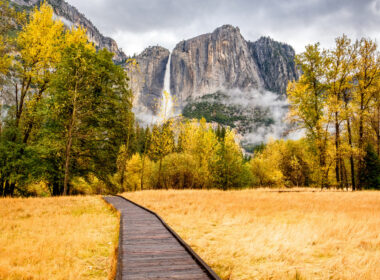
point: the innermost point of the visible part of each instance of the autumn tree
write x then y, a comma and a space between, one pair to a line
199, 140
366, 77
307, 98
161, 144
89, 102
180, 171
229, 169
339, 80
34, 57
39, 44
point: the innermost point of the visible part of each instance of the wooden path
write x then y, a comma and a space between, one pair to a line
150, 249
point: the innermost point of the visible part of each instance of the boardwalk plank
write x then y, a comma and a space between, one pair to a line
149, 249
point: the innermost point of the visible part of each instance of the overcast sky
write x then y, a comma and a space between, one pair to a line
136, 24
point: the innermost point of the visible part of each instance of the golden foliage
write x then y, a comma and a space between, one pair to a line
41, 41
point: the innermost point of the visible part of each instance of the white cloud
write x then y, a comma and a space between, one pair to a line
135, 24
132, 43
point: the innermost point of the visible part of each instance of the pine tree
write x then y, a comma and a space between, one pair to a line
370, 176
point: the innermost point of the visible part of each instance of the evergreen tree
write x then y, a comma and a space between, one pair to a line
371, 170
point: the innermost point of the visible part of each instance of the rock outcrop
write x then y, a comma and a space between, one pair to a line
147, 77
70, 16
212, 62
221, 60
276, 63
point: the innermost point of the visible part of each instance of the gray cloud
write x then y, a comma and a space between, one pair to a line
135, 24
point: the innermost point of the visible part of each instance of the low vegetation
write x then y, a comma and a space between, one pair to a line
57, 238
263, 234
219, 108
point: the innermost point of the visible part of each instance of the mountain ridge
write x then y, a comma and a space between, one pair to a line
219, 60
71, 16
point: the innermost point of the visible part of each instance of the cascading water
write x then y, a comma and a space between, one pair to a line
166, 106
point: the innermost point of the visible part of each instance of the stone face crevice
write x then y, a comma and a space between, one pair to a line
276, 63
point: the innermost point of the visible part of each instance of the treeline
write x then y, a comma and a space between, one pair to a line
66, 108
183, 154
337, 103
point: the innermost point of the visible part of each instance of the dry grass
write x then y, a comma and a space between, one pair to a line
269, 235
57, 238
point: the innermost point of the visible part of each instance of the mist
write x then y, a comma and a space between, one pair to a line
264, 112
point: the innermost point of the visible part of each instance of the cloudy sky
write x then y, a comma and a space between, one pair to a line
136, 24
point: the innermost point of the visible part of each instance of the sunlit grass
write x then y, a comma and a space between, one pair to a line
269, 235
57, 238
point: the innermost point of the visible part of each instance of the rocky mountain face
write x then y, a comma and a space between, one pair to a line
147, 77
221, 60
70, 16
214, 61
276, 63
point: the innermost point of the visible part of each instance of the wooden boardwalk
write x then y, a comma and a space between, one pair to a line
150, 249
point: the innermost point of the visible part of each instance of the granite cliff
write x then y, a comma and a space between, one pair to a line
221, 60
276, 63
147, 77
211, 62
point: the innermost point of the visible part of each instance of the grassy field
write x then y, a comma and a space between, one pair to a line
270, 235
57, 238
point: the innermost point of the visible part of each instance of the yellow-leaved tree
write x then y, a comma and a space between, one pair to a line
161, 144
339, 79
199, 140
39, 51
132, 174
308, 99
367, 75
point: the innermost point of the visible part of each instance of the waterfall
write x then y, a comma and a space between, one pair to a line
166, 106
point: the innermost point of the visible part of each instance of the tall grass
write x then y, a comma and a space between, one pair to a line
57, 238
256, 234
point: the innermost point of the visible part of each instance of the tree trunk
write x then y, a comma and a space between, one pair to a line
56, 189
159, 174
19, 107
147, 142
126, 152
343, 174
378, 130
67, 163
360, 142
337, 152
352, 163
1, 186
142, 173
69, 144
6, 188
32, 121
12, 187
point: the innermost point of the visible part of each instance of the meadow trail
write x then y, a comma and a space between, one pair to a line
150, 249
